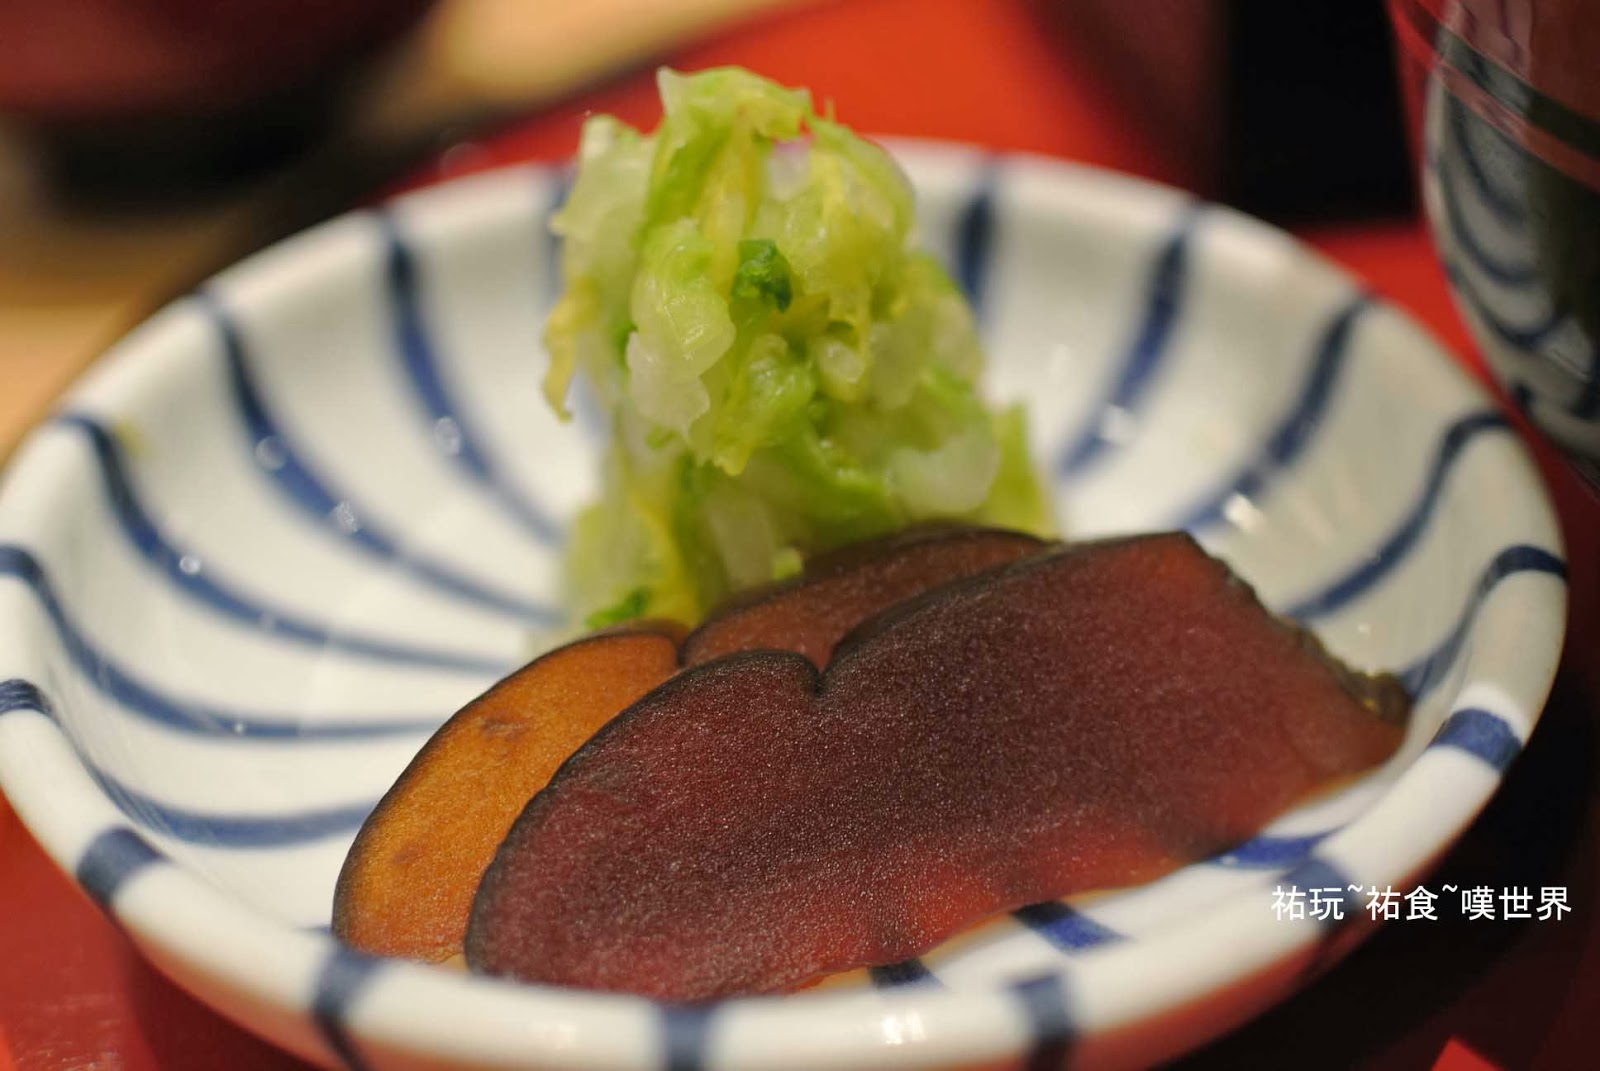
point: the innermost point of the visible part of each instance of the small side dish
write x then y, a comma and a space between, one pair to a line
885, 731
198, 799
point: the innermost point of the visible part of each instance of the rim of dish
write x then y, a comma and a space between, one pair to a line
260, 970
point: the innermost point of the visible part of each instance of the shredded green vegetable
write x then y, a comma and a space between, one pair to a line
783, 372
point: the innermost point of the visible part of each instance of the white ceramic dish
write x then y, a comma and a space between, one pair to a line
288, 525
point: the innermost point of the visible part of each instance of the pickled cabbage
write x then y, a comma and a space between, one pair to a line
781, 369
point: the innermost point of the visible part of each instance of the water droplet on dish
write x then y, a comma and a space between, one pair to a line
447, 435
1242, 513
1118, 425
189, 565
270, 454
344, 516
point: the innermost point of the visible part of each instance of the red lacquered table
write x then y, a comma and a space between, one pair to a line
74, 993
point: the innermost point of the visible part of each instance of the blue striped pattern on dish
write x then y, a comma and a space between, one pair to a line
1066, 927
344, 975
686, 1037
1044, 1003
905, 972
101, 672
1494, 206
1156, 317
1294, 432
339, 514
189, 573
453, 432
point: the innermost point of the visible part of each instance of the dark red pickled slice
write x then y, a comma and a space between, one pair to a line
842, 588
408, 881
1086, 718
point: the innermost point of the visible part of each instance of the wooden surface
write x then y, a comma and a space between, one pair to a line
68, 286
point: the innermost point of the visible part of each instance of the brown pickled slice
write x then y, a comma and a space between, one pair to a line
842, 588
407, 884
1086, 718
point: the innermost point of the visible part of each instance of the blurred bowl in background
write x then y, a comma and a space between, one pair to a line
1505, 114
144, 93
